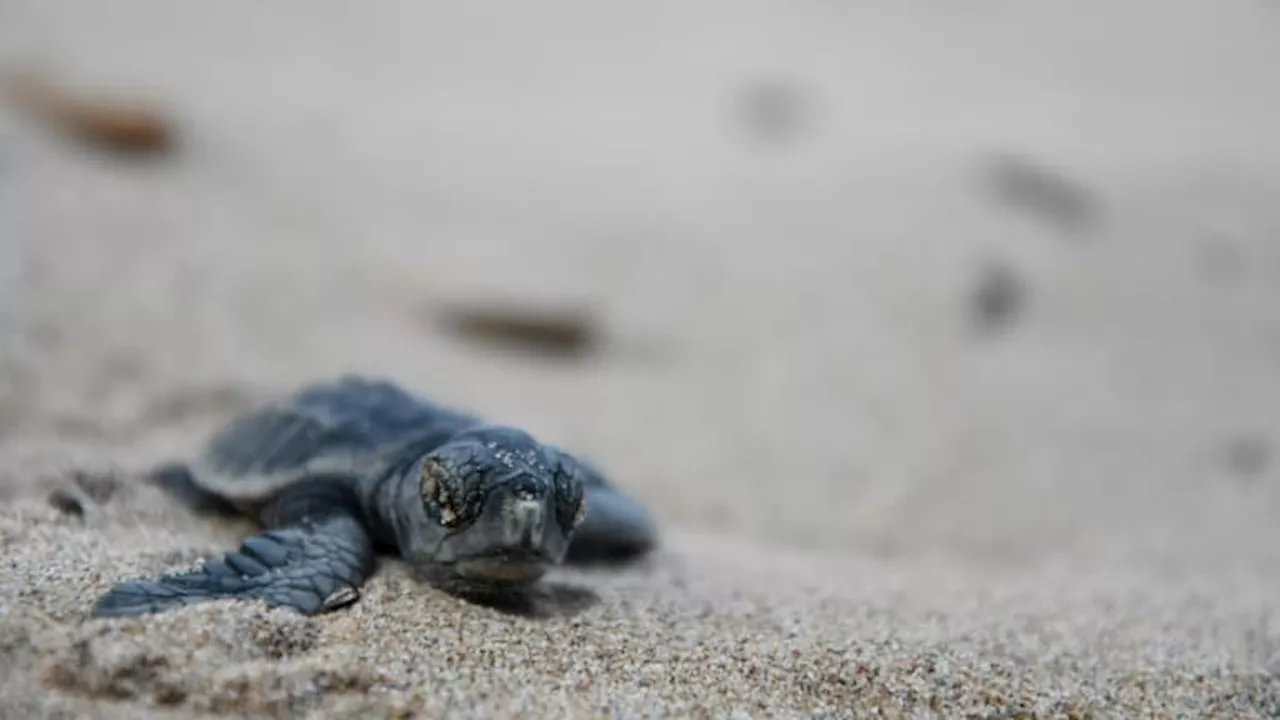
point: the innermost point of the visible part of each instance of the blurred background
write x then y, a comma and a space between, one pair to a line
990, 280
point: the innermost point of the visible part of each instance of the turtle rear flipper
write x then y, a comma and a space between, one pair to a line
313, 559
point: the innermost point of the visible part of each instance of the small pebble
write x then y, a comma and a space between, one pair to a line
1248, 456
102, 120
773, 110
66, 503
1043, 192
998, 296
558, 331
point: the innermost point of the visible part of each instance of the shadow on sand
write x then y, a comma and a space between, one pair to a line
545, 601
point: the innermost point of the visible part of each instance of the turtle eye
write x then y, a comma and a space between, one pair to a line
570, 499
435, 493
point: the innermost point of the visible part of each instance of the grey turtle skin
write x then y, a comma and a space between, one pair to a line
341, 471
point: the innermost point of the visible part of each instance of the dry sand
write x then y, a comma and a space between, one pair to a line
868, 507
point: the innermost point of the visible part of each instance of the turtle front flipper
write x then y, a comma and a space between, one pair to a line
616, 529
313, 559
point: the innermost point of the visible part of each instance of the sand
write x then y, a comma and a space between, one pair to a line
942, 342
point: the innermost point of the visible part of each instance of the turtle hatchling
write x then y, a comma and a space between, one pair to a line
342, 470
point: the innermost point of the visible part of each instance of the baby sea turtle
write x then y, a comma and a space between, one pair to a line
342, 470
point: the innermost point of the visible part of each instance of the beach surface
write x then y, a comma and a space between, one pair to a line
943, 342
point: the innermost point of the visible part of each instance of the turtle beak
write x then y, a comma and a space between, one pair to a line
515, 538
522, 521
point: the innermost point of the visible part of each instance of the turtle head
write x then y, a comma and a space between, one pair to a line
500, 508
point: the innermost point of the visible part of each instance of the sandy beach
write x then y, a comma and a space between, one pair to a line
942, 342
